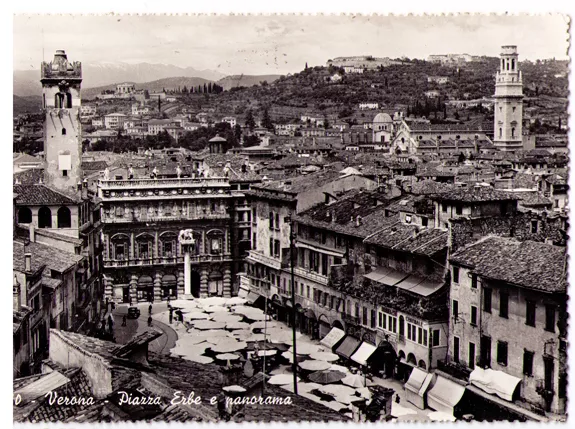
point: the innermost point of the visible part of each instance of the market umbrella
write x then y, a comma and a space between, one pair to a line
237, 325
264, 325
281, 379
210, 333
356, 380
340, 368
314, 365
336, 406
229, 347
243, 334
289, 356
254, 338
256, 316
204, 325
221, 340
216, 309
269, 352
198, 315
337, 390
364, 392
304, 348
398, 410
326, 377
184, 304
236, 300
190, 340
212, 300
242, 309
234, 389
198, 358
226, 317
325, 356
227, 356
349, 399
196, 349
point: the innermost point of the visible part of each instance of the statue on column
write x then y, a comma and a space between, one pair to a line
186, 237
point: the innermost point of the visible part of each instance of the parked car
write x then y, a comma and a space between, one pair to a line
133, 312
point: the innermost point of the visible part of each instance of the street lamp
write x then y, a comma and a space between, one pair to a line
289, 220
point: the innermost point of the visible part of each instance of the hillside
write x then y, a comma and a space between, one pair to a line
30, 104
27, 82
170, 83
235, 81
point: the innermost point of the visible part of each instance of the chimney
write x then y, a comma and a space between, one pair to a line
32, 230
16, 304
28, 263
358, 220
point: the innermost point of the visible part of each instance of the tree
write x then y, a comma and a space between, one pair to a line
267, 121
252, 140
250, 122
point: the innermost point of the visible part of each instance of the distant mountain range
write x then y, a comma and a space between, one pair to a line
27, 82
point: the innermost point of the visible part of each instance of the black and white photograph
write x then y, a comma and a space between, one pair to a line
290, 218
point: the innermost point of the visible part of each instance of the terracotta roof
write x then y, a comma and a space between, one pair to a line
527, 264
94, 165
30, 176
43, 255
40, 195
475, 195
410, 238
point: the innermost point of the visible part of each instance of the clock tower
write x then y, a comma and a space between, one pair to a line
61, 101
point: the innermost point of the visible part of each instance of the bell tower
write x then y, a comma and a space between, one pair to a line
61, 101
508, 121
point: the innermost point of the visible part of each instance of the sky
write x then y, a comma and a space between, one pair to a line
278, 44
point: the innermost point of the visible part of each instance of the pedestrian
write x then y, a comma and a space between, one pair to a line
397, 399
150, 321
124, 320
130, 302
171, 316
150, 309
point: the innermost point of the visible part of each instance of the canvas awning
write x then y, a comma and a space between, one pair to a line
494, 382
444, 395
332, 338
252, 297
416, 380
419, 285
347, 347
386, 276
363, 353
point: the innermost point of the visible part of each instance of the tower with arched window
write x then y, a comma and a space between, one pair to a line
508, 127
61, 81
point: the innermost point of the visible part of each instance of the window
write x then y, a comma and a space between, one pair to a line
485, 351
500, 130
424, 221
357, 310
458, 209
364, 321
276, 248
512, 132
456, 349
64, 173
550, 317
277, 221
502, 353
487, 295
514, 108
425, 338
436, 337
455, 309
419, 335
455, 274
394, 324
307, 291
474, 315
474, 281
528, 362
24, 215
444, 207
271, 220
503, 304
530, 309
471, 355
534, 226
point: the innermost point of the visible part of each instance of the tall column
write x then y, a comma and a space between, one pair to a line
180, 283
187, 273
108, 287
157, 286
227, 283
204, 282
133, 288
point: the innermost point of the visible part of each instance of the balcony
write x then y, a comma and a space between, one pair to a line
186, 182
260, 258
311, 275
165, 260
134, 218
351, 319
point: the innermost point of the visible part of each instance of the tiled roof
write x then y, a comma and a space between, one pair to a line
527, 264
476, 195
94, 165
410, 238
29, 176
533, 199
40, 195
43, 255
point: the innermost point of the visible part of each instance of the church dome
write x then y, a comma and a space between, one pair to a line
382, 118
